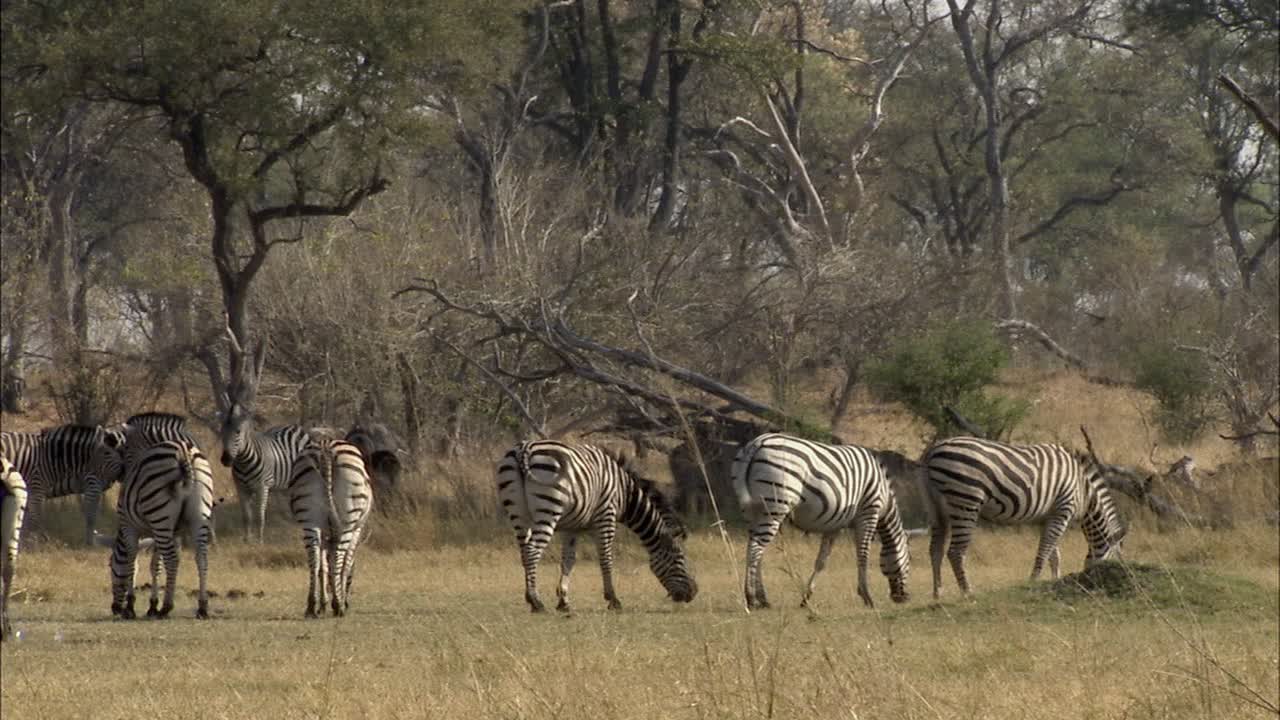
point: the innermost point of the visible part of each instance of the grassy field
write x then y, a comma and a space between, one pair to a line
444, 632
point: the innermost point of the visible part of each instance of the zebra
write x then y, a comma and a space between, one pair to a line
969, 478
168, 487
824, 489
545, 485
259, 461
330, 497
65, 460
13, 504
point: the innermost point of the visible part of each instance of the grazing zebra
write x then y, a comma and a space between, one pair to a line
259, 461
545, 485
823, 489
330, 496
969, 478
13, 504
65, 460
168, 487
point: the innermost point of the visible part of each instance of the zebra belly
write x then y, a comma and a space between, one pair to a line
817, 514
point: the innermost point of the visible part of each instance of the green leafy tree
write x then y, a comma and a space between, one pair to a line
949, 367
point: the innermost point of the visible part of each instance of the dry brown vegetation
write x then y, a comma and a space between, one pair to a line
439, 627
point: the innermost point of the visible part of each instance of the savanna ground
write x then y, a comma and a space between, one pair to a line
439, 627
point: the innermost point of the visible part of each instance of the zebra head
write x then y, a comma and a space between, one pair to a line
237, 420
1101, 522
237, 423
650, 514
109, 457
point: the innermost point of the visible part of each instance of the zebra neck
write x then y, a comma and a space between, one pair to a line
249, 461
641, 514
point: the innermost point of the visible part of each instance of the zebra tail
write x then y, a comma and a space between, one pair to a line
750, 506
327, 459
933, 500
186, 472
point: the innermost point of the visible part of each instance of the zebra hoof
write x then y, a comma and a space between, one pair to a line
563, 606
202, 613
128, 614
615, 604
535, 605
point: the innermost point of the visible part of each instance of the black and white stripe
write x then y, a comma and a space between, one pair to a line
259, 462
546, 485
13, 504
168, 488
823, 489
969, 478
330, 497
65, 460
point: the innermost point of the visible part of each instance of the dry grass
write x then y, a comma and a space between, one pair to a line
444, 632
439, 627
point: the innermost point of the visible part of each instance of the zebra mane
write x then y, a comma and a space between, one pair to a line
648, 489
156, 417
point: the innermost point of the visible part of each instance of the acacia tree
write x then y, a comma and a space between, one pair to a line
282, 112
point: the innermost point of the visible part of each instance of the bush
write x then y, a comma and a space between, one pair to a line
1182, 385
949, 366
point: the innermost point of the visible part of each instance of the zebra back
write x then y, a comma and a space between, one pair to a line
63, 460
146, 430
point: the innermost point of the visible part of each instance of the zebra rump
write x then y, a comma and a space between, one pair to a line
168, 488
330, 497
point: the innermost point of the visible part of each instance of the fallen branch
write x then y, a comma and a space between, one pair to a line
1015, 327
963, 422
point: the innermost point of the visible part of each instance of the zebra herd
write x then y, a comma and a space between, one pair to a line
544, 486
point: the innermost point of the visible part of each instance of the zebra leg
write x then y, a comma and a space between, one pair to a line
260, 500
35, 503
6, 578
961, 535
864, 529
761, 535
200, 537
530, 554
244, 496
1050, 536
153, 608
567, 559
89, 501
315, 561
606, 527
819, 564
938, 535
124, 557
1055, 560
167, 546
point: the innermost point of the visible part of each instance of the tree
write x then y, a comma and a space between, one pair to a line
280, 121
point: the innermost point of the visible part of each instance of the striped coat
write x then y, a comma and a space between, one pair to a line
66, 460
13, 504
168, 488
330, 497
260, 462
970, 479
545, 486
823, 489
